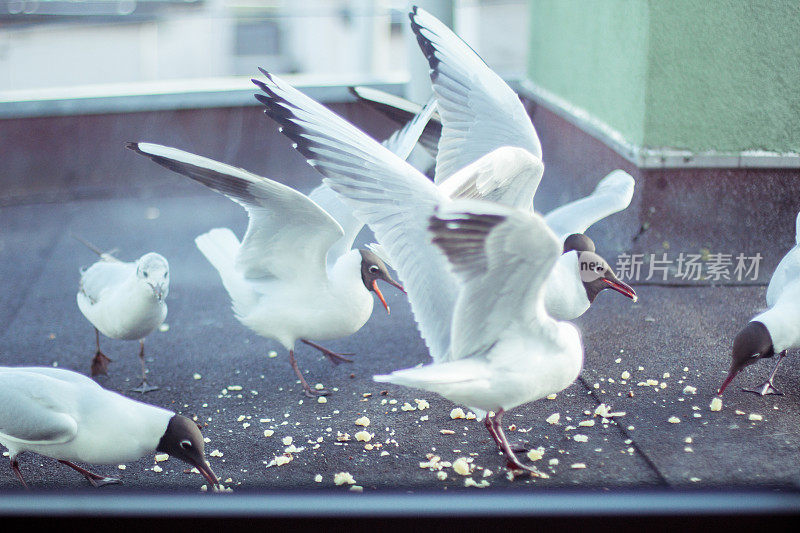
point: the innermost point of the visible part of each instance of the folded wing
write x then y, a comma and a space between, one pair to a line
503, 257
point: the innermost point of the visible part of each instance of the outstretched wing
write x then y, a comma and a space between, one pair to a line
479, 111
503, 257
508, 176
288, 235
402, 111
612, 194
385, 192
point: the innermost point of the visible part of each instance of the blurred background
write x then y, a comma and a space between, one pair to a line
78, 42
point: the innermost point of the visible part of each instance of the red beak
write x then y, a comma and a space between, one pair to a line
622, 288
732, 374
380, 295
207, 473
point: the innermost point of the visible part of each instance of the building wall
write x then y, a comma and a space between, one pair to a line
702, 76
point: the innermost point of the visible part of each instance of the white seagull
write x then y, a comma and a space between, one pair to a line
293, 276
124, 301
505, 350
66, 416
777, 329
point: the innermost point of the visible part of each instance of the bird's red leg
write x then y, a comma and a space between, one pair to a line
100, 361
513, 462
311, 393
15, 468
335, 358
95, 479
767, 387
144, 387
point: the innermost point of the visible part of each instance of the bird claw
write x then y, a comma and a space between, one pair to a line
103, 481
100, 364
314, 393
144, 388
764, 390
517, 468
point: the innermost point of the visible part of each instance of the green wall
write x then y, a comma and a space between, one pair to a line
719, 75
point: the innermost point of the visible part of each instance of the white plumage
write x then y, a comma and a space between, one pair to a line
294, 275
124, 301
64, 415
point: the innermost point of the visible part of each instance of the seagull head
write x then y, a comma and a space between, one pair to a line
183, 440
752, 343
372, 270
597, 275
153, 269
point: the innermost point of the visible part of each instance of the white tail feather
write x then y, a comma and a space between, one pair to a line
220, 246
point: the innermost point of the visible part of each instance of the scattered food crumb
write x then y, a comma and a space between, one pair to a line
553, 419
457, 413
342, 478
716, 404
535, 455
461, 466
578, 466
754, 416
318, 478
674, 420
322, 399
363, 421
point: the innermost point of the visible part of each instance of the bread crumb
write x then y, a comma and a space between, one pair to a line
535, 455
342, 478
197, 376
578, 466
716, 404
442, 475
363, 436
318, 478
268, 432
469, 482
122, 467
457, 413
674, 420
754, 416
357, 488
421, 404
581, 438
461, 466
161, 457
322, 399
363, 421
553, 419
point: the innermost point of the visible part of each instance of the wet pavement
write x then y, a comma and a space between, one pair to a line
656, 364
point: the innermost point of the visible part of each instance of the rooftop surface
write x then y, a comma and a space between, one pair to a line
656, 364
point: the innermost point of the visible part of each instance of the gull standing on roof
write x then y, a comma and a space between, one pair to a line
66, 416
124, 301
505, 350
776, 330
292, 277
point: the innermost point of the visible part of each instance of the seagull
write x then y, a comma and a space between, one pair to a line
505, 350
776, 330
389, 194
480, 114
293, 276
67, 416
124, 301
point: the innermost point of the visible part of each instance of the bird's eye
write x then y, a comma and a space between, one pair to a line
374, 269
144, 273
186, 445
166, 274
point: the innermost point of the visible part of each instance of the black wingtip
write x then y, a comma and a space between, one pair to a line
133, 146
